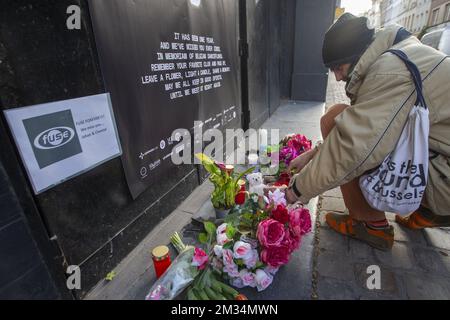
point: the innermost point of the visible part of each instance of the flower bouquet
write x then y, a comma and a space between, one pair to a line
247, 250
191, 271
257, 239
289, 148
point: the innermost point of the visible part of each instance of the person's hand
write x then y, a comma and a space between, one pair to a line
301, 161
290, 196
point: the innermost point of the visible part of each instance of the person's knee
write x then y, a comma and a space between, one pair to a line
327, 122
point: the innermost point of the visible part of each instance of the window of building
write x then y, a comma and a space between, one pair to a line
435, 16
447, 12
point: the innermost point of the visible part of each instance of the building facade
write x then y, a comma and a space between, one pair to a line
374, 14
439, 13
411, 14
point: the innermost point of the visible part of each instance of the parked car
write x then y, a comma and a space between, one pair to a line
439, 39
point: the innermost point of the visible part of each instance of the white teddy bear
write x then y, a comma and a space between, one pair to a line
256, 184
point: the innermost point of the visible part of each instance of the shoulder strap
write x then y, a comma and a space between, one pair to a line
415, 73
401, 35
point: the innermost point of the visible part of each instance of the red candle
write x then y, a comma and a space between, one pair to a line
242, 185
161, 260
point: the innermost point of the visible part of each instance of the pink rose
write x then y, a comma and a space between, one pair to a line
251, 260
242, 250
263, 279
200, 259
270, 233
221, 229
222, 239
276, 256
227, 256
300, 217
248, 278
292, 239
232, 270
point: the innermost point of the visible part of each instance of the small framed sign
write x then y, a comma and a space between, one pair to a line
60, 140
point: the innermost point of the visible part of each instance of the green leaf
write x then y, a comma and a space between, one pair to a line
230, 231
110, 276
210, 227
203, 238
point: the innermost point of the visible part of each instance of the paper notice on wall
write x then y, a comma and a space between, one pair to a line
60, 140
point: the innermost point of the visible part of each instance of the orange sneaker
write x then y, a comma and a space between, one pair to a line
423, 218
382, 239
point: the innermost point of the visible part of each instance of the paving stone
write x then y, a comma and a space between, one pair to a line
406, 235
361, 251
331, 241
431, 260
334, 265
331, 289
399, 257
197, 198
420, 288
332, 204
333, 193
438, 237
322, 222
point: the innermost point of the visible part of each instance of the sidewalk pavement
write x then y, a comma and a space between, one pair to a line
328, 265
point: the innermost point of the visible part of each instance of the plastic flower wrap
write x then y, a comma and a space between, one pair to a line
177, 277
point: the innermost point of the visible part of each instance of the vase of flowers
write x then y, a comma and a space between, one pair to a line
226, 184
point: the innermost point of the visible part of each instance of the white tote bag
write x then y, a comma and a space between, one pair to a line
399, 183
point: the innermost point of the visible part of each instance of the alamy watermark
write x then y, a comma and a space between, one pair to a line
73, 22
374, 280
73, 281
238, 144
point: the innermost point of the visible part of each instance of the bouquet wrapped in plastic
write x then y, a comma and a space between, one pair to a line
176, 279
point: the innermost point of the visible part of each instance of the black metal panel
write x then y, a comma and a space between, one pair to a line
257, 29
274, 54
287, 21
313, 18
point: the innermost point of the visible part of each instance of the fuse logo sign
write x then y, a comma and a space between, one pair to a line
53, 137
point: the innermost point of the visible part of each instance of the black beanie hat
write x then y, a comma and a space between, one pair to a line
346, 40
